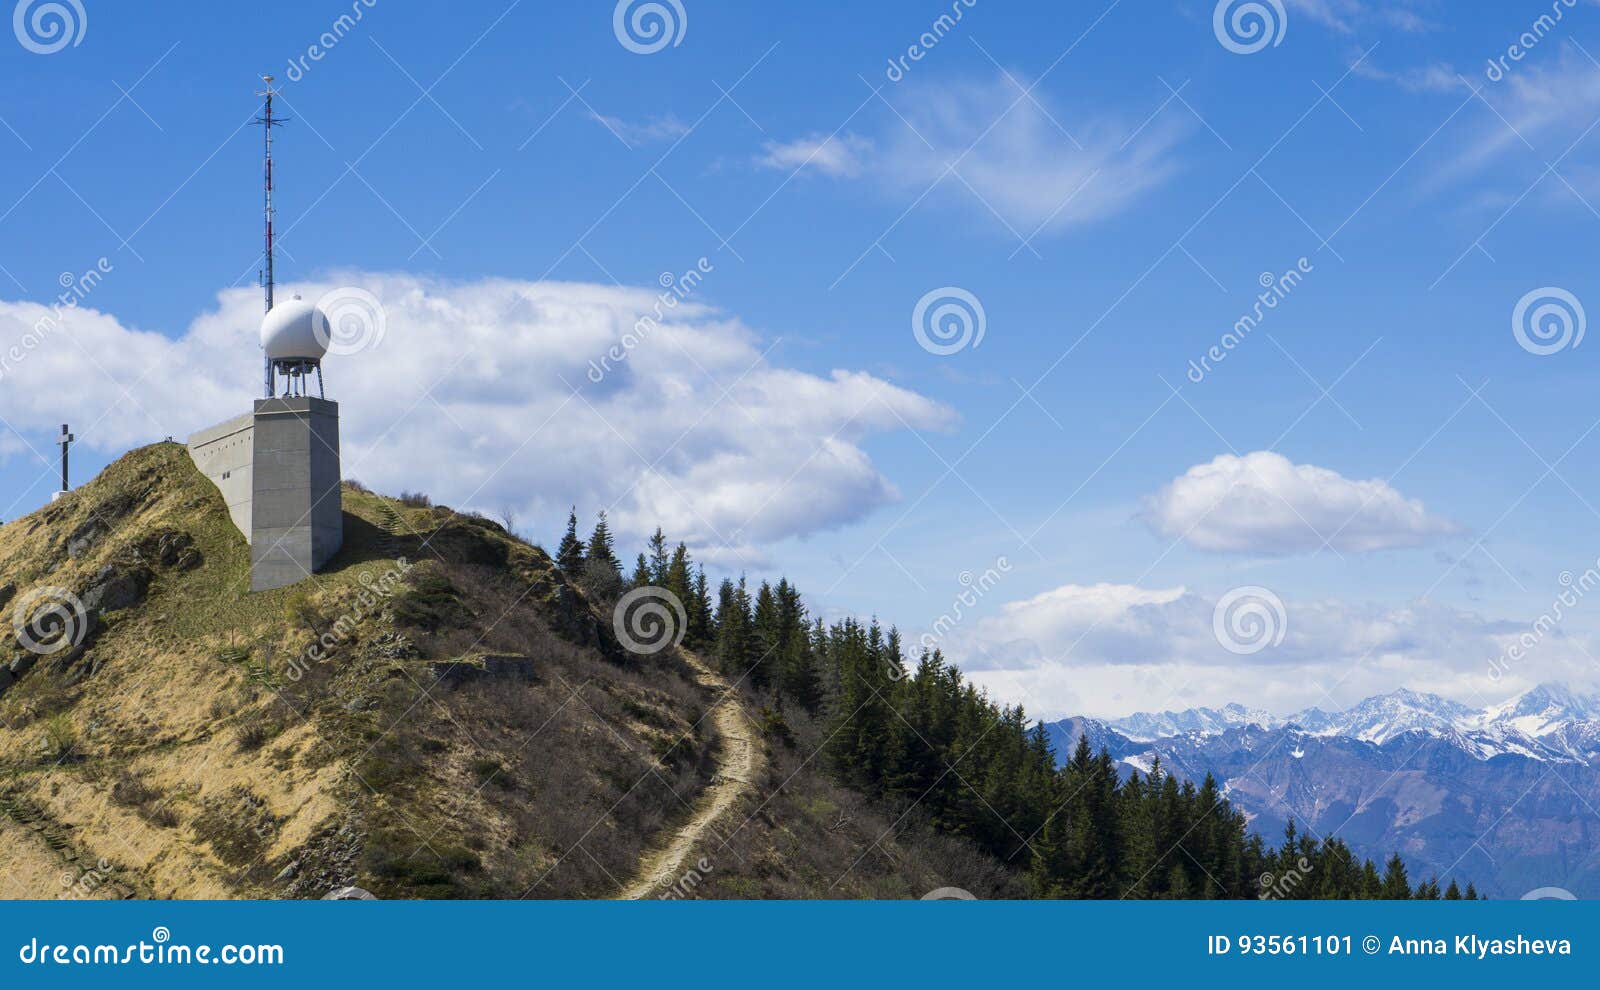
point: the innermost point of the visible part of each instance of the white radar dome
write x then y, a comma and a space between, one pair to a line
295, 329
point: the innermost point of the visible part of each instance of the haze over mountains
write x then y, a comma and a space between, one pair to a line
1505, 795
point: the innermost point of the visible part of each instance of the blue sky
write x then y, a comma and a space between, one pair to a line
1109, 180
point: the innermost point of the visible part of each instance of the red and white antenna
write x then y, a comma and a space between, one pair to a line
268, 122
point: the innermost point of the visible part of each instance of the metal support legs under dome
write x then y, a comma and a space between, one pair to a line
295, 372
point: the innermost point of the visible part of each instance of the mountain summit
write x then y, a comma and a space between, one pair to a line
1532, 723
438, 713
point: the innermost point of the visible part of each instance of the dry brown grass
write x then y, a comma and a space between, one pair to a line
199, 747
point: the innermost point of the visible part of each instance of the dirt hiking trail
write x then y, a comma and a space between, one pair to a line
738, 760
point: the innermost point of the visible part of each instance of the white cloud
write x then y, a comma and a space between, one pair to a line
1520, 114
1549, 100
1015, 157
1345, 15
470, 397
1054, 621
1336, 14
838, 155
1437, 77
1263, 503
1112, 649
1407, 20
1124, 625
668, 128
1537, 102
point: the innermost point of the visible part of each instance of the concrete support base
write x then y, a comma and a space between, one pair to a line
278, 470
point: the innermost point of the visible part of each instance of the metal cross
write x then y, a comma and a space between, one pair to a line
65, 443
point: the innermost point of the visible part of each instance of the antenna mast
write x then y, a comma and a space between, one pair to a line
268, 122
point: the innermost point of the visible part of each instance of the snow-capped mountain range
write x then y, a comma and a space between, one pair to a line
1507, 796
1549, 722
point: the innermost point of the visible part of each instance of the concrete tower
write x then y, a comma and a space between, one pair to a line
278, 465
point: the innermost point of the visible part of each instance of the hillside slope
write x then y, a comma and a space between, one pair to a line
438, 714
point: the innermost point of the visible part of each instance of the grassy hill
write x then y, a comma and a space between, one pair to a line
438, 714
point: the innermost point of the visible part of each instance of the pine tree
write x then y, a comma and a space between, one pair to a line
1051, 862
894, 658
642, 578
800, 676
1396, 886
1210, 841
569, 556
1095, 842
861, 733
1178, 883
768, 636
733, 629
602, 572
1335, 874
699, 608
678, 578
601, 544
1371, 884
658, 559
1171, 818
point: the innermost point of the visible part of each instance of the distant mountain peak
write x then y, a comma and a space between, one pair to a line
1145, 726
1554, 694
1548, 719
1542, 710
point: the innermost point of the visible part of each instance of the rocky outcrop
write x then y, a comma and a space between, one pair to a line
114, 588
570, 614
169, 548
327, 862
120, 585
103, 518
470, 540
